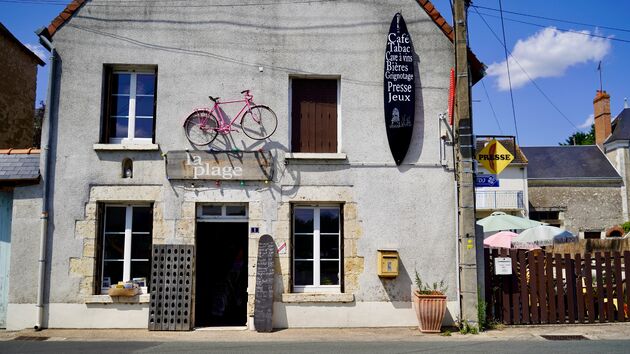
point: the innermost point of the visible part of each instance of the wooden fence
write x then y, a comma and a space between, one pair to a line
553, 288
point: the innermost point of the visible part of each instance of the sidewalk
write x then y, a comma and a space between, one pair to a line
606, 331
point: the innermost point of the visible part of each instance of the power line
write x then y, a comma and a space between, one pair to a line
507, 64
129, 4
560, 29
525, 72
553, 19
496, 119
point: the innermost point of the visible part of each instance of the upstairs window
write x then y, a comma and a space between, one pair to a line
129, 112
314, 112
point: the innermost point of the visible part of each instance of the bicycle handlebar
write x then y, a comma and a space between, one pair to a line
245, 91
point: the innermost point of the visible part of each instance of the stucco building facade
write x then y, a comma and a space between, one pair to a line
125, 80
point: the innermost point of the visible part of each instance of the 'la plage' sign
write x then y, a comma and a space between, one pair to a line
399, 88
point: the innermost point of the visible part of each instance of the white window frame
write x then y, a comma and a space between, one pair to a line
339, 127
128, 238
317, 287
223, 217
131, 114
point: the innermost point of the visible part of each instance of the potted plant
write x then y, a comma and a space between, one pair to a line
430, 304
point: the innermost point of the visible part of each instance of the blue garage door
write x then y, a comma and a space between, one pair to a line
6, 207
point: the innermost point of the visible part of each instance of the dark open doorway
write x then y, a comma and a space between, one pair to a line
221, 274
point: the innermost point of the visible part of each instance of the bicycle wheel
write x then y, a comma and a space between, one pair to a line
259, 123
201, 127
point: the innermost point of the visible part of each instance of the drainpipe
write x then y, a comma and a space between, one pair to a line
45, 173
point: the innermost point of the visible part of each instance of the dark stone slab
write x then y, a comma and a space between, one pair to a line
263, 310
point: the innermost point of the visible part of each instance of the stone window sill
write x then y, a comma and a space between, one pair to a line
126, 147
106, 299
316, 297
314, 156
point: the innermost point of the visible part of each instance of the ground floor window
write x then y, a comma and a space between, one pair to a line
125, 245
317, 248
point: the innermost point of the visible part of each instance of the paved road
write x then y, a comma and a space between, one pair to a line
529, 347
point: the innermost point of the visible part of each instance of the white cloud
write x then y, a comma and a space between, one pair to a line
548, 53
588, 122
38, 50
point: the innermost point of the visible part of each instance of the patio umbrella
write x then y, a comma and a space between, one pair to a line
503, 239
500, 221
543, 235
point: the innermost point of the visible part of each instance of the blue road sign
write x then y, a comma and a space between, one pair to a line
486, 181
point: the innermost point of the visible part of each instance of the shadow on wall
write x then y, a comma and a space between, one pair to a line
417, 137
399, 289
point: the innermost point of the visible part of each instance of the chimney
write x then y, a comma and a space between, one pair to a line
601, 105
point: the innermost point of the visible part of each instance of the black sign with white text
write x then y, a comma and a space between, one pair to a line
399, 88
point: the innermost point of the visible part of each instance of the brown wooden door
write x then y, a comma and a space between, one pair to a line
314, 115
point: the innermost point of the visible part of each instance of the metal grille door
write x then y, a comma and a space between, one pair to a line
171, 288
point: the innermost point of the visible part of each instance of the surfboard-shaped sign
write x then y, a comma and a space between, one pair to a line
399, 88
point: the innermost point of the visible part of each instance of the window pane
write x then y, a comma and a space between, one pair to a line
120, 106
303, 220
142, 219
114, 219
329, 220
145, 85
114, 246
303, 272
118, 127
329, 273
144, 106
141, 269
235, 210
141, 247
303, 246
144, 128
113, 270
120, 83
214, 210
329, 246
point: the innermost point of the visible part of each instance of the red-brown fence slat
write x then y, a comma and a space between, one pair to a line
505, 293
551, 292
610, 299
570, 276
600, 286
560, 289
588, 280
542, 289
487, 282
626, 265
533, 279
579, 288
618, 287
524, 286
516, 296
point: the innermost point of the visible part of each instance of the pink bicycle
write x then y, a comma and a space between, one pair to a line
257, 121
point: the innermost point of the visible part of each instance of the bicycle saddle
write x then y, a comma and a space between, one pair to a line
214, 98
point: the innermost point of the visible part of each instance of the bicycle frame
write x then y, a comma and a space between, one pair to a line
225, 126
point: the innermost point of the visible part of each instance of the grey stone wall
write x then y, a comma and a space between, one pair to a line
219, 51
18, 80
587, 207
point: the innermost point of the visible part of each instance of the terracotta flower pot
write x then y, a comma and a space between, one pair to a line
430, 310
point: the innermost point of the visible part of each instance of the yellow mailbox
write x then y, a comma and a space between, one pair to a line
387, 263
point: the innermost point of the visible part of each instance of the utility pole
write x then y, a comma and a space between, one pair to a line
465, 170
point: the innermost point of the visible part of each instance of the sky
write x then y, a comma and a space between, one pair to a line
554, 49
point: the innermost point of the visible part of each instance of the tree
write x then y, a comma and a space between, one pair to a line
39, 118
581, 138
